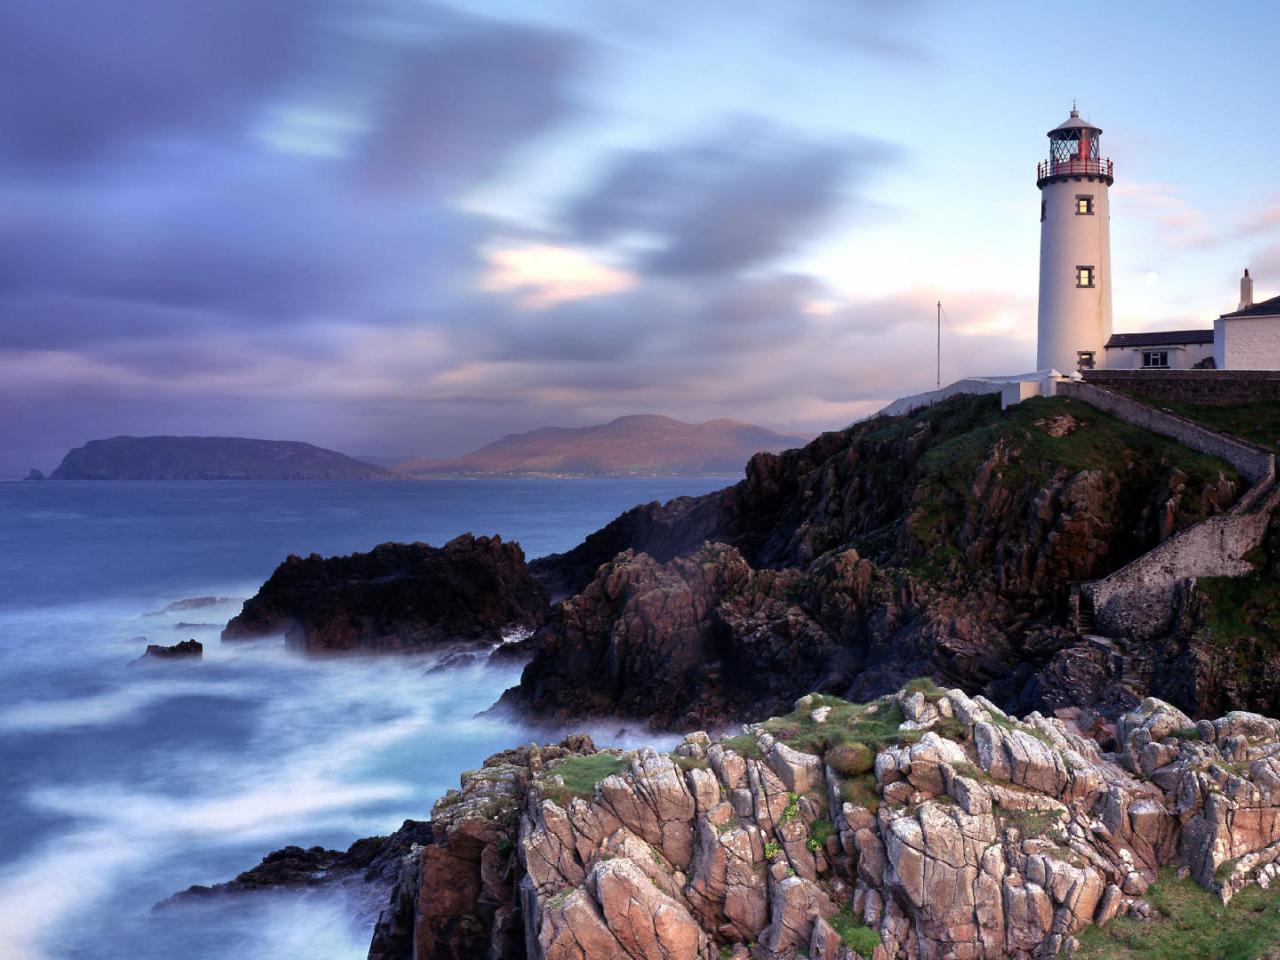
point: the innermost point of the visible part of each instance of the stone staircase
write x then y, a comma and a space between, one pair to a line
1138, 600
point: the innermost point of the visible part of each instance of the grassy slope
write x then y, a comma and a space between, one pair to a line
1255, 422
1191, 922
970, 429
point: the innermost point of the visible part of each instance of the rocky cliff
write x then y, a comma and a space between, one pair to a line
399, 597
924, 824
210, 458
943, 543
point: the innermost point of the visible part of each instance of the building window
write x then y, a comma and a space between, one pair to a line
1155, 359
1043, 205
1084, 276
1084, 204
1084, 360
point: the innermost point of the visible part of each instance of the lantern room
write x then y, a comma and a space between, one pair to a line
1074, 151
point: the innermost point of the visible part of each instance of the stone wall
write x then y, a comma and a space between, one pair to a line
1011, 389
1211, 387
1139, 600
1254, 463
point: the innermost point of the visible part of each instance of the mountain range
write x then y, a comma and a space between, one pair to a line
627, 446
633, 445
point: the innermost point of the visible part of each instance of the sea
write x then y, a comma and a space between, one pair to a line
122, 782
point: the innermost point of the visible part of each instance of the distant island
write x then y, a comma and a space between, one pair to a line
642, 445
211, 458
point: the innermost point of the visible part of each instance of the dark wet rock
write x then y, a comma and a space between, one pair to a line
35, 476
398, 597
371, 862
192, 649
945, 543
193, 603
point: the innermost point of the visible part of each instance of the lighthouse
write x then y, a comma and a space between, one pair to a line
1075, 249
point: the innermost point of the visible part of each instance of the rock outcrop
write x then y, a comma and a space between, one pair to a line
187, 649
366, 871
924, 825
943, 543
397, 598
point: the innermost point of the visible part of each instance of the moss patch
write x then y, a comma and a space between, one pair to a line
1190, 922
1239, 610
582, 774
857, 936
1013, 451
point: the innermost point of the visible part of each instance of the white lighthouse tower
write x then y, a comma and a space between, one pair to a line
1075, 249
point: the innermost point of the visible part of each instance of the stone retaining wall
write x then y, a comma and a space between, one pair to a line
1138, 600
1254, 463
1210, 387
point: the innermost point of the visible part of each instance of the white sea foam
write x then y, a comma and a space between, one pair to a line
108, 707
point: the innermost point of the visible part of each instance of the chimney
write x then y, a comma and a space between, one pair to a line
1246, 290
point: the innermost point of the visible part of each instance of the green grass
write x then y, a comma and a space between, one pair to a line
1007, 723
926, 686
1242, 614
1030, 823
819, 832
582, 774
1028, 457
861, 792
744, 745
689, 763
1257, 423
857, 936
1190, 922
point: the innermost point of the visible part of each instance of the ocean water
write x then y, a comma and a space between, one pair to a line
122, 783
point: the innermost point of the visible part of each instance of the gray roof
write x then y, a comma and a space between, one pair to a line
1267, 308
1159, 338
1074, 122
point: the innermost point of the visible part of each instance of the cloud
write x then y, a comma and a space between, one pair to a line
464, 99
543, 275
77, 77
747, 195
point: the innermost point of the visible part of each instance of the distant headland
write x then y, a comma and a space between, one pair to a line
211, 458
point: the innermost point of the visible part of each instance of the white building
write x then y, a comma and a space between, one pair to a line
1074, 322
1075, 249
1163, 350
1249, 338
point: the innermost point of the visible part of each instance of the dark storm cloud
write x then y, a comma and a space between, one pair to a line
746, 196
238, 221
464, 99
79, 76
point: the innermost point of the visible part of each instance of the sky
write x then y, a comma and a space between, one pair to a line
398, 227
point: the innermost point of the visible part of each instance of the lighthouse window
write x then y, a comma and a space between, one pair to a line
1155, 358
1084, 276
1084, 205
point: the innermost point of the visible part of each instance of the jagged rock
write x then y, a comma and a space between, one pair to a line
686, 611
188, 649
396, 598
1002, 839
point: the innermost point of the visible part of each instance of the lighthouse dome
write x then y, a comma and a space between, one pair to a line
1073, 123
